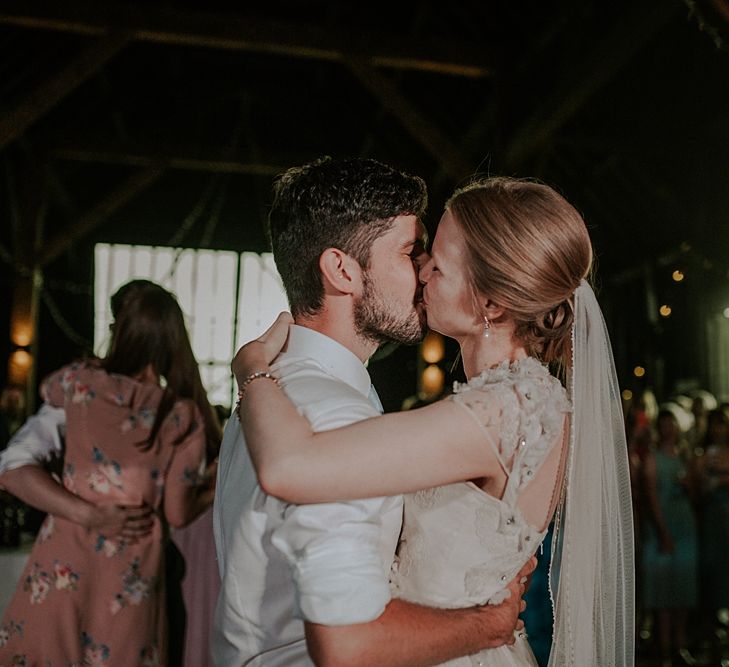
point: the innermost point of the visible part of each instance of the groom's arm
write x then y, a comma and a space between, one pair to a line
410, 635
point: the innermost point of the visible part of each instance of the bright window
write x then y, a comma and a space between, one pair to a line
227, 298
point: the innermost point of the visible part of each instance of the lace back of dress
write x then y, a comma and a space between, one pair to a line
521, 409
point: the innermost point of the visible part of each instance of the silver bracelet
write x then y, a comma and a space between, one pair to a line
253, 376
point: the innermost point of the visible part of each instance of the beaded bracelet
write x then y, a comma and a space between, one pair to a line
253, 376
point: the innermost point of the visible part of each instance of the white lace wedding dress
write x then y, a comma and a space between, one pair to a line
460, 546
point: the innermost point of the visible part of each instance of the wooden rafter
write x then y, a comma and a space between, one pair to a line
609, 55
167, 25
187, 163
36, 104
421, 128
120, 196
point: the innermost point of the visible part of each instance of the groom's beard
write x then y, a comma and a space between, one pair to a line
377, 320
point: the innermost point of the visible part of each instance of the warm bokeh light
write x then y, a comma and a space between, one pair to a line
20, 334
677, 275
19, 366
432, 380
665, 310
627, 394
639, 371
433, 347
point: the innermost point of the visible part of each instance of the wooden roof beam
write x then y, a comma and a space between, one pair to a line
120, 196
186, 163
610, 55
35, 105
167, 25
419, 126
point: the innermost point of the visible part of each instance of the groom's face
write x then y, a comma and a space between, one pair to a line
390, 307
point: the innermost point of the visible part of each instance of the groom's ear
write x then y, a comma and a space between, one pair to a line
340, 273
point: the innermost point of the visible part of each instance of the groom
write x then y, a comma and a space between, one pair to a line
308, 584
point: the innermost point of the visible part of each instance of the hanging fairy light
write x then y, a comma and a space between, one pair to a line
433, 347
639, 371
665, 310
677, 275
432, 380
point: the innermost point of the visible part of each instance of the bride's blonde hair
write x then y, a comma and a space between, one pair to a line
528, 248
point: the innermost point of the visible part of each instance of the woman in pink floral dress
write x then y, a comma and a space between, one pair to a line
93, 589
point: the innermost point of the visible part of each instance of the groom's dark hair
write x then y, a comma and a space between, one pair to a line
345, 204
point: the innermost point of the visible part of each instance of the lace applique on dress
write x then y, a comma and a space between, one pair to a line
461, 546
416, 549
525, 404
426, 498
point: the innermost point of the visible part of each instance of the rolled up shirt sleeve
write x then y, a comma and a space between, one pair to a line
335, 550
334, 553
36, 441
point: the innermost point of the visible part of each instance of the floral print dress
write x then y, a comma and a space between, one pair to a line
85, 598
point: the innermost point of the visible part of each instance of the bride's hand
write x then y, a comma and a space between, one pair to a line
258, 354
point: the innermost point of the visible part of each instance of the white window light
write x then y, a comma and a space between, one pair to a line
206, 283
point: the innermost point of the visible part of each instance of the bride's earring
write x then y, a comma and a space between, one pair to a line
486, 327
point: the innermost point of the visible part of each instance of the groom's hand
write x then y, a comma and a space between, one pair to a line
411, 635
502, 623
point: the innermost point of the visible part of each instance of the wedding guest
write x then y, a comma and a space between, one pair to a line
136, 426
670, 546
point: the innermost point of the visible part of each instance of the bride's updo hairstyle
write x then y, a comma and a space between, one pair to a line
528, 248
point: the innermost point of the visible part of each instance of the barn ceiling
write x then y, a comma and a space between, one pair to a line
164, 122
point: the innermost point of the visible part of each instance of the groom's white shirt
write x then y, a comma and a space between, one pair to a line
282, 563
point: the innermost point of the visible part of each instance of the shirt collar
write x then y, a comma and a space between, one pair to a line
335, 359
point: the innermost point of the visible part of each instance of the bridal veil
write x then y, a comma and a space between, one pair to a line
592, 571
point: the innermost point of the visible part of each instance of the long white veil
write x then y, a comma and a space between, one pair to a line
592, 570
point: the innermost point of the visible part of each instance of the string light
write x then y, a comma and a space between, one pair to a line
639, 371
627, 394
432, 380
677, 275
433, 347
19, 366
665, 310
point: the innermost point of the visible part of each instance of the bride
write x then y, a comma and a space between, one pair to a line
487, 468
